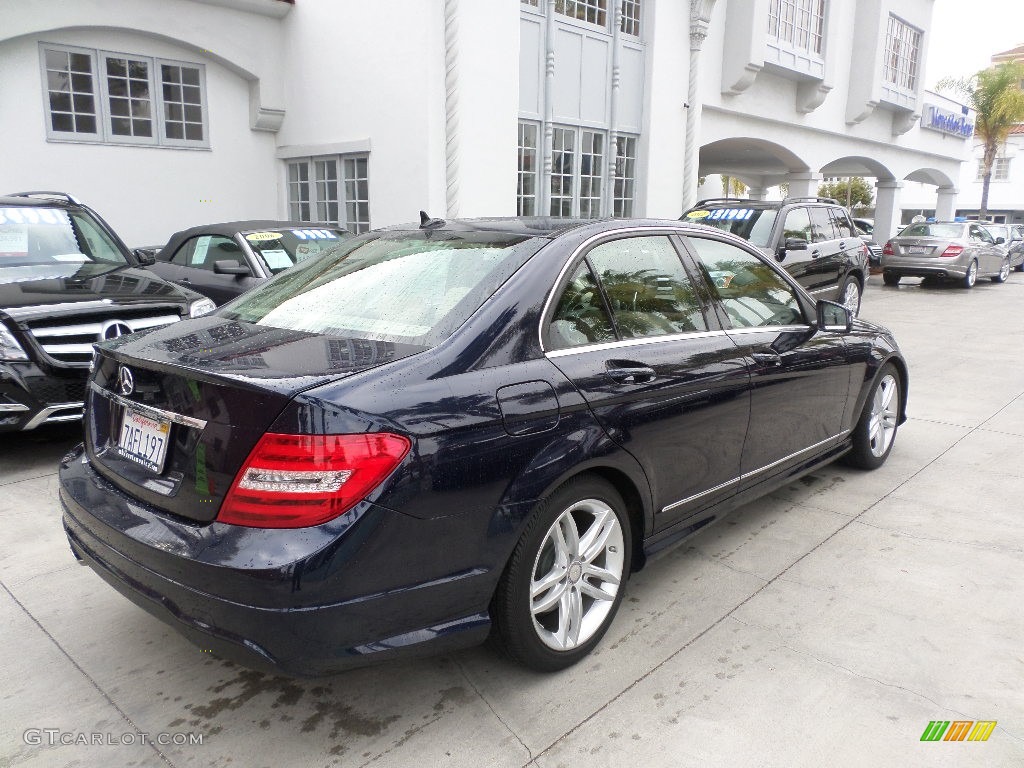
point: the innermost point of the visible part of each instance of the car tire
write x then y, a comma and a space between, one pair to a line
875, 432
565, 580
1020, 267
968, 280
850, 295
1004, 272
890, 278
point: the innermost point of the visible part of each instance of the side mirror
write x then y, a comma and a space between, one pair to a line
1000, 240
229, 267
146, 256
796, 244
834, 317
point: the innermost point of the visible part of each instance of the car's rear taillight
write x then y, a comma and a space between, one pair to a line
887, 249
294, 481
953, 251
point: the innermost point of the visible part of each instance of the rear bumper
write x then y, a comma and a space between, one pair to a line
299, 602
931, 267
30, 398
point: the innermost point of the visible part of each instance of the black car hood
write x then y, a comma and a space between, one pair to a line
216, 349
78, 283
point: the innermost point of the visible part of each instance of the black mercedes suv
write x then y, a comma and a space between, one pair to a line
812, 238
67, 281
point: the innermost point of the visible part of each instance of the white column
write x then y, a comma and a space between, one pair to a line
887, 210
945, 203
451, 106
756, 193
804, 184
700, 17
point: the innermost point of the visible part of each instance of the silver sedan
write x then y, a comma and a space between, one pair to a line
963, 251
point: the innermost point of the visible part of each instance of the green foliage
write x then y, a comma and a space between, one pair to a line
855, 191
995, 95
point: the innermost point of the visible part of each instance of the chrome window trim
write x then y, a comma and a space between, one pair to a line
605, 345
746, 475
150, 410
748, 329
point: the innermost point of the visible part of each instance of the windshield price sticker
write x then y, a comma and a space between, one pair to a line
731, 214
259, 237
698, 214
314, 234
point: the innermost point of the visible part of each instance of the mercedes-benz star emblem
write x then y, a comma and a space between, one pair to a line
112, 329
125, 381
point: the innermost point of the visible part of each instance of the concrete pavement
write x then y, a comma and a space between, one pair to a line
826, 624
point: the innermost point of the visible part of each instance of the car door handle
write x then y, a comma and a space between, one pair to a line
185, 281
630, 373
768, 359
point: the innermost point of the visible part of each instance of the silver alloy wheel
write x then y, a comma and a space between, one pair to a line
972, 274
851, 297
576, 574
1004, 270
884, 415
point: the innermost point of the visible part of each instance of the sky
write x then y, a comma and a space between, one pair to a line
964, 35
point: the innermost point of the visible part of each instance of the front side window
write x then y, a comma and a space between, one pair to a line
330, 190
402, 287
205, 251
799, 23
648, 291
902, 54
797, 225
821, 225
121, 98
751, 292
39, 236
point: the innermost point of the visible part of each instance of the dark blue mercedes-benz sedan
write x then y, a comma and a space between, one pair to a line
434, 433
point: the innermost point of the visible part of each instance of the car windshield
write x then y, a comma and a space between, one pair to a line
31, 235
283, 248
749, 223
404, 287
945, 231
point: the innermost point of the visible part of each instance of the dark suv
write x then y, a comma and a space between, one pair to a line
813, 238
67, 281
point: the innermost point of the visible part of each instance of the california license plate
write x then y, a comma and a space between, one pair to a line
918, 249
143, 439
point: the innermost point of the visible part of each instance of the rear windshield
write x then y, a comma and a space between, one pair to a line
31, 235
404, 287
947, 231
749, 223
281, 248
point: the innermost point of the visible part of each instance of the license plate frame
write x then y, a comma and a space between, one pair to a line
143, 439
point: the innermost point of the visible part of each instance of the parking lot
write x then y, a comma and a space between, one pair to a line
826, 624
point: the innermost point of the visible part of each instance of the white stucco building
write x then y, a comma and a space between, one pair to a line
164, 114
1006, 190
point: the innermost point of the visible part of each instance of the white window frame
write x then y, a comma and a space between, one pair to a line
805, 19
343, 182
106, 114
609, 203
1000, 169
630, 22
905, 74
522, 173
101, 100
98, 114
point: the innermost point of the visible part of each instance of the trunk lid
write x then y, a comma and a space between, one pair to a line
208, 389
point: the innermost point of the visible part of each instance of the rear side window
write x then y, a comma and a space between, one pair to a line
751, 292
580, 315
404, 287
647, 289
821, 225
844, 227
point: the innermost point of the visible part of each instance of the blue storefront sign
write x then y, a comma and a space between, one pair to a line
944, 121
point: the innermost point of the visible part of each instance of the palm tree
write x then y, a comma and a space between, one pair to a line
995, 94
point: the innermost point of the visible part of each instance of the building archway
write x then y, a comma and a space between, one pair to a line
758, 163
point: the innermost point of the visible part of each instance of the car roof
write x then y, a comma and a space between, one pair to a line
229, 228
735, 202
544, 226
